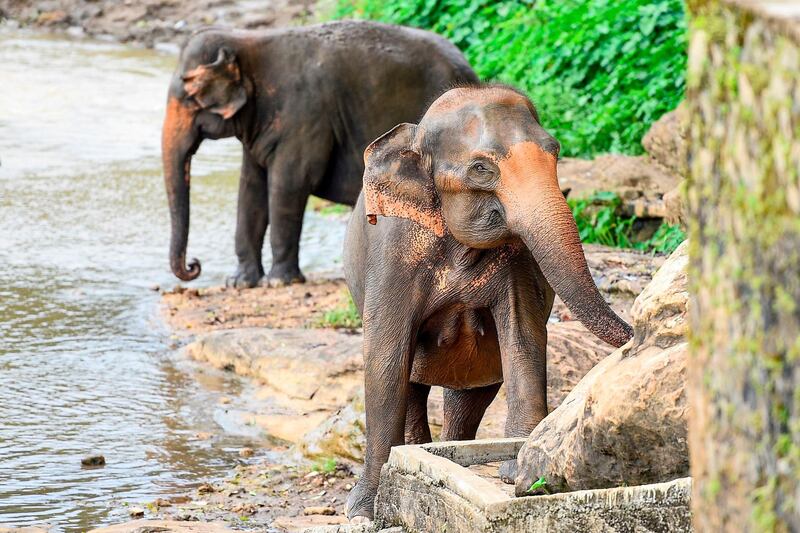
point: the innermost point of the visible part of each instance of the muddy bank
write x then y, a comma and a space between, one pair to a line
153, 22
194, 311
268, 494
310, 385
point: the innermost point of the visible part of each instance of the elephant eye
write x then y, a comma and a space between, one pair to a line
481, 168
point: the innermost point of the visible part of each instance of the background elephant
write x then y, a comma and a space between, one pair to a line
304, 102
455, 289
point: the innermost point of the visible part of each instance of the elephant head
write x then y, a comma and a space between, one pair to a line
205, 95
480, 166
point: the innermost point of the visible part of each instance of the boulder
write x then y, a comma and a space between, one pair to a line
638, 180
666, 141
625, 422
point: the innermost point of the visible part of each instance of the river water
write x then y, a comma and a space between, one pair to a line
85, 363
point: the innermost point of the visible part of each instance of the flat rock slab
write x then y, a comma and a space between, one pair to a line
430, 488
164, 526
307, 374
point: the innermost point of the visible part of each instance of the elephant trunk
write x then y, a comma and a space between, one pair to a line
178, 143
539, 214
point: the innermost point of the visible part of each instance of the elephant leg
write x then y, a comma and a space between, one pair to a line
464, 410
417, 429
387, 371
523, 344
295, 171
252, 216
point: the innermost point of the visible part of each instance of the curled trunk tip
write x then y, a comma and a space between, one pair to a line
186, 272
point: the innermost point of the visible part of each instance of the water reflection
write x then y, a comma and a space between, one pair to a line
83, 236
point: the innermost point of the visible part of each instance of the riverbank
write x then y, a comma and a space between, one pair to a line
309, 388
153, 23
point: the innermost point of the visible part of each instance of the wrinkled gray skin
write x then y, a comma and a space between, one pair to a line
304, 102
456, 279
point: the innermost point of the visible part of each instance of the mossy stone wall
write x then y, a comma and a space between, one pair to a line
743, 195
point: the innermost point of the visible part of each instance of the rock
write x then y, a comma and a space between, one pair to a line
52, 18
300, 523
246, 452
341, 435
666, 141
625, 422
136, 512
93, 460
639, 181
674, 209
165, 526
308, 374
298, 363
351, 528
319, 510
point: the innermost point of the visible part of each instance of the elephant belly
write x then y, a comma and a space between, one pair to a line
458, 350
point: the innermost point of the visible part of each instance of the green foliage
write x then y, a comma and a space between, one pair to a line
344, 317
538, 487
326, 208
599, 221
325, 466
600, 71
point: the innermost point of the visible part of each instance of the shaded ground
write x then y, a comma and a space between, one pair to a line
150, 22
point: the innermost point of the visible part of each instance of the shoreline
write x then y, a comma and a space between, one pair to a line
152, 23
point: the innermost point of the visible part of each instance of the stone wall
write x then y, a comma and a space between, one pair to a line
743, 100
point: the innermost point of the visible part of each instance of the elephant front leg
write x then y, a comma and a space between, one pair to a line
287, 203
252, 217
386, 379
523, 343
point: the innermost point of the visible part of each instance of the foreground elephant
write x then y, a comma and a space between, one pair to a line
304, 102
455, 289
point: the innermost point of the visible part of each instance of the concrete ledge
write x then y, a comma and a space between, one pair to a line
423, 490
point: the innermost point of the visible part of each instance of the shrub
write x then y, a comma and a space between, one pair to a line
599, 222
600, 71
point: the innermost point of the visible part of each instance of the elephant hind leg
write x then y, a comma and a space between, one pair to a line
464, 409
417, 429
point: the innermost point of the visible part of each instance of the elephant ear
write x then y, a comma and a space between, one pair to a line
396, 183
217, 86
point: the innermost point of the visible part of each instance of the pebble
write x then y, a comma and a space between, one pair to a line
246, 452
311, 475
348, 487
319, 510
93, 460
136, 512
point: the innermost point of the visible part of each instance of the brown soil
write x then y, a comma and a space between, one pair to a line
267, 494
295, 306
149, 22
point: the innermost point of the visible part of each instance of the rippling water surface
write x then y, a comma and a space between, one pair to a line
84, 362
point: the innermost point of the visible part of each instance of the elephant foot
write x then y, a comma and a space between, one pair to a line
244, 278
282, 278
508, 471
360, 503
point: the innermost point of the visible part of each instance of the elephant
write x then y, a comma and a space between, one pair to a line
304, 102
455, 283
